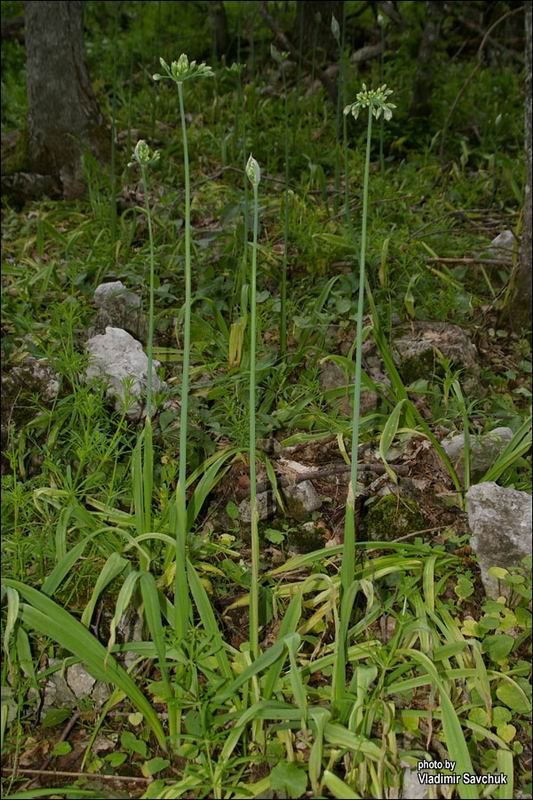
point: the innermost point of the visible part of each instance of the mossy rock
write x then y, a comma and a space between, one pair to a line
390, 517
306, 538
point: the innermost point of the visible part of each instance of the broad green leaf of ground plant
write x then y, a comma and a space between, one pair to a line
47, 618
386, 439
453, 733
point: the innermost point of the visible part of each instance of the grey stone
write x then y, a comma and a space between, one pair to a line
118, 358
130, 629
415, 351
80, 681
100, 694
500, 520
502, 245
64, 688
31, 382
266, 507
412, 789
302, 499
484, 450
57, 692
118, 308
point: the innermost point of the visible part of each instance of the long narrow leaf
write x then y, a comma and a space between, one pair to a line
49, 619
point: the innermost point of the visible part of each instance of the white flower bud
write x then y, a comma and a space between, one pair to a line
253, 171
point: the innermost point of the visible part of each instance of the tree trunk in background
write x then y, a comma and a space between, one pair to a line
314, 29
421, 99
520, 308
64, 119
219, 26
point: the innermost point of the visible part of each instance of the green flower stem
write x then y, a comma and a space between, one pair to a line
283, 288
181, 594
254, 586
150, 342
346, 170
113, 164
348, 561
382, 118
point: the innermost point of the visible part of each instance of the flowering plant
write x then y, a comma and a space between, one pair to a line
143, 156
253, 171
374, 99
183, 70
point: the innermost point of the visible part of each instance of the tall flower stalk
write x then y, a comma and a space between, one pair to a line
180, 71
144, 157
253, 173
280, 59
376, 101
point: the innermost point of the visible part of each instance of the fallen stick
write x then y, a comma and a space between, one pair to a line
493, 262
64, 774
327, 472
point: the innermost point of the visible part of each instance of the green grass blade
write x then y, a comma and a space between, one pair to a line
123, 601
387, 436
292, 643
152, 613
63, 568
451, 726
212, 475
263, 661
137, 486
339, 736
209, 622
114, 565
319, 717
428, 582
338, 787
148, 473
504, 761
288, 625
45, 616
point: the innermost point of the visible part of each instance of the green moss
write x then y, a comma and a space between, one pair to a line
390, 517
15, 153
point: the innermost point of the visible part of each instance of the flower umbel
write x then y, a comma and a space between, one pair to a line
374, 99
183, 70
253, 171
143, 155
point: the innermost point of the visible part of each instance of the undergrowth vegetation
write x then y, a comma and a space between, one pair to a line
267, 665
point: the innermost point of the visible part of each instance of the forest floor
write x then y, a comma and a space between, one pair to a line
434, 668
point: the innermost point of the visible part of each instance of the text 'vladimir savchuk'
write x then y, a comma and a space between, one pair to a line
467, 778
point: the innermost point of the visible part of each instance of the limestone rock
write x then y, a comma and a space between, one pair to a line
412, 788
64, 689
500, 520
266, 507
80, 681
118, 358
57, 692
118, 308
414, 351
502, 245
302, 499
26, 384
484, 450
